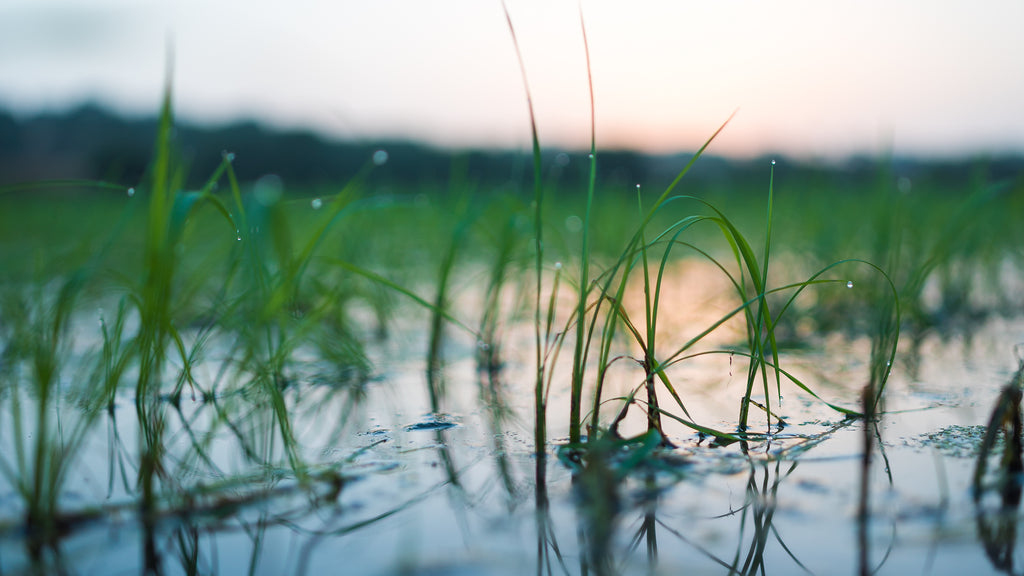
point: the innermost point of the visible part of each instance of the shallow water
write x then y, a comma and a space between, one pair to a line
457, 493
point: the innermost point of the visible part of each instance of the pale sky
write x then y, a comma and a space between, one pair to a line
809, 78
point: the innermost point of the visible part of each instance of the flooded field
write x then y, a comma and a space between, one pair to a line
250, 349
239, 379
386, 486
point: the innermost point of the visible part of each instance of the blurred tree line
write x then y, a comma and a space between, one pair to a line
91, 142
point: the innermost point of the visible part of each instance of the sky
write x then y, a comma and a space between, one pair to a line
805, 78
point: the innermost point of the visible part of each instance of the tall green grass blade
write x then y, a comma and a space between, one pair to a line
540, 409
579, 356
72, 183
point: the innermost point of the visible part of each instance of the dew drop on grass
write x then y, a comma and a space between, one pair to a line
380, 157
229, 156
773, 162
590, 156
316, 203
131, 192
558, 265
482, 345
238, 233
849, 283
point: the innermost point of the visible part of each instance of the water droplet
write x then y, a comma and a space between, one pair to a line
131, 192
637, 187
239, 234
590, 156
380, 157
316, 203
558, 265
849, 283
482, 345
773, 162
229, 156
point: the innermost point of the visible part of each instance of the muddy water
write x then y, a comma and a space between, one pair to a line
457, 493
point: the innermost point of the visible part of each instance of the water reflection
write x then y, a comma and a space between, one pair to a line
608, 491
491, 392
997, 530
997, 521
548, 552
627, 506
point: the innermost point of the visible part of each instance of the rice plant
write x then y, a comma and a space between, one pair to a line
238, 333
46, 433
602, 298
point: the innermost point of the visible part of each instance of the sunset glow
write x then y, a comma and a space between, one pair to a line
807, 78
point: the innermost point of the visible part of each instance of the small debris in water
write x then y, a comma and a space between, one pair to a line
433, 422
953, 441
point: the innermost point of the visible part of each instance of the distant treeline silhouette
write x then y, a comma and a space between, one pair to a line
90, 142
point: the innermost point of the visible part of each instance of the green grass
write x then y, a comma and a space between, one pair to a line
180, 291
240, 312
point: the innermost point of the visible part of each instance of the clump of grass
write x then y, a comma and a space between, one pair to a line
169, 211
49, 421
45, 433
602, 299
